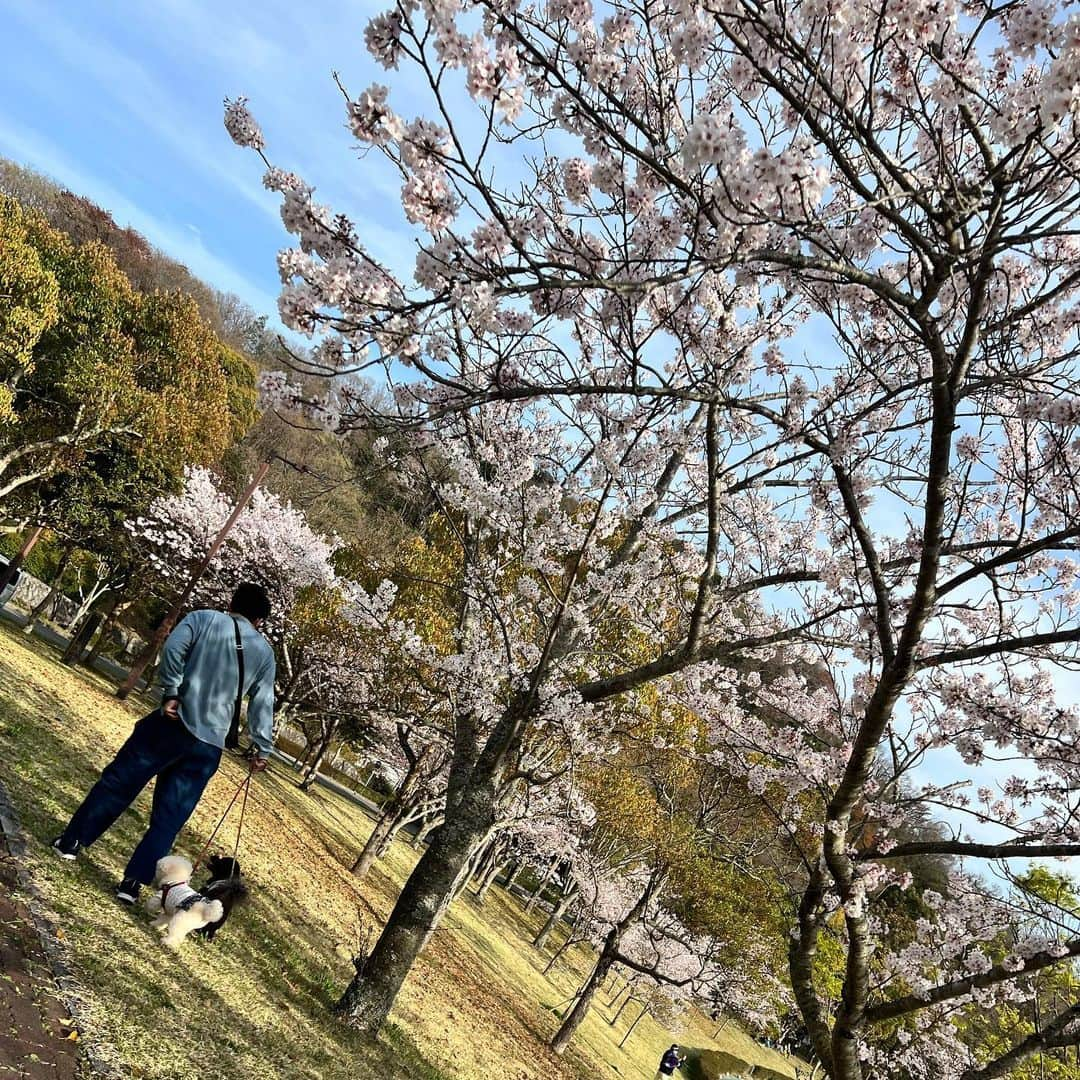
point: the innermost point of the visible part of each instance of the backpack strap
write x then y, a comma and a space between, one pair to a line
232, 740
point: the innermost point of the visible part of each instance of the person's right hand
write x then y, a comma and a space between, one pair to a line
171, 708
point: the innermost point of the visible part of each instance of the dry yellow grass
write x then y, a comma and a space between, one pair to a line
256, 1002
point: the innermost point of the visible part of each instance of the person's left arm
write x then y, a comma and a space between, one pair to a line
261, 710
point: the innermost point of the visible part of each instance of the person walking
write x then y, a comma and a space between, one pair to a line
209, 663
671, 1061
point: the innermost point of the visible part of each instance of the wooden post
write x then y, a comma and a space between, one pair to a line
169, 621
8, 572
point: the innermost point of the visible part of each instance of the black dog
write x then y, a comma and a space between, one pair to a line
227, 885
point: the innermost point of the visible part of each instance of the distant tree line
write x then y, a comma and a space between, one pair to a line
119, 369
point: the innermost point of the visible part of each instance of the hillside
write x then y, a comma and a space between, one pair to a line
256, 1002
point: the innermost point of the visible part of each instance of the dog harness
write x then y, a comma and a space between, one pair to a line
178, 896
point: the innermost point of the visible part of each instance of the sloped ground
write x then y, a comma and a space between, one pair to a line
256, 1002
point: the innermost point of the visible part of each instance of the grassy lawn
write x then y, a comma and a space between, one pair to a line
256, 1002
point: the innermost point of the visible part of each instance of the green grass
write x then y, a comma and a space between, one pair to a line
256, 1003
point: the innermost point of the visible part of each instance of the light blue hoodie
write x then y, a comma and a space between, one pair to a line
198, 666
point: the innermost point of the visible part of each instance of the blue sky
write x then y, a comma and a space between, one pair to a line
122, 102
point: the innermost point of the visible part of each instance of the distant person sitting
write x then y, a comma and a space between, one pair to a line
209, 663
671, 1061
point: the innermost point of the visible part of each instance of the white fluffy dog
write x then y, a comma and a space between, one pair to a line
178, 907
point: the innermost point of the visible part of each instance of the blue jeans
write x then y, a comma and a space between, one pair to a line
183, 766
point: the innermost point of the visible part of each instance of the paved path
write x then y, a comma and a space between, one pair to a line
33, 1032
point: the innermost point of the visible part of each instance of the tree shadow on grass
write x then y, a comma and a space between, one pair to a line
718, 1065
538, 1018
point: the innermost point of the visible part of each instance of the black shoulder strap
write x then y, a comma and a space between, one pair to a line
232, 740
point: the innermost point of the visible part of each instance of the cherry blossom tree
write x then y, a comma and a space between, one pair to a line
628, 916
746, 335
416, 755
543, 829
271, 542
567, 897
625, 912
323, 627
330, 661
673, 835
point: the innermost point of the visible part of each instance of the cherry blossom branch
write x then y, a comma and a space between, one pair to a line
958, 988
1020, 645
1033, 849
693, 634
1063, 1030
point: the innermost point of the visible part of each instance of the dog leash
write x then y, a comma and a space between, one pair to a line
244, 786
240, 825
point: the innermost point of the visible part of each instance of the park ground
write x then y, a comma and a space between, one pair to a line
256, 1003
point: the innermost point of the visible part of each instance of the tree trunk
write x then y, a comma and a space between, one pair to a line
511, 874
395, 812
544, 879
580, 1010
554, 918
284, 703
77, 645
51, 595
426, 829
420, 907
304, 754
107, 622
324, 744
88, 602
8, 572
377, 843
483, 858
557, 955
391, 836
488, 880
39, 609
470, 871
622, 1008
488, 864
609, 955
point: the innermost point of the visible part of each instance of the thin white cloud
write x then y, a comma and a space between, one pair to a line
140, 94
